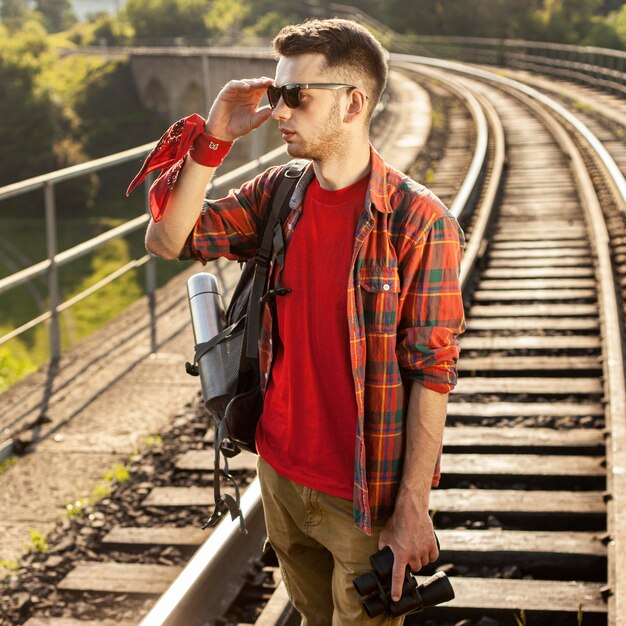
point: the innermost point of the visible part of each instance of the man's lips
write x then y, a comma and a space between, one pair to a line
287, 134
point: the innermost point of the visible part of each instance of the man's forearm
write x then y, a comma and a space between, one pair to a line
167, 237
409, 531
426, 417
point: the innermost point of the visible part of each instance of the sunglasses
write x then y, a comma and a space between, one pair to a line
290, 93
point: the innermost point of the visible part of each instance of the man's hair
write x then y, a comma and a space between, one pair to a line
346, 45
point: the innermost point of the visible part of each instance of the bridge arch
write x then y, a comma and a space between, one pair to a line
157, 98
191, 100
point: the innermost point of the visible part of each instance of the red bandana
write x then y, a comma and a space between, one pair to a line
168, 155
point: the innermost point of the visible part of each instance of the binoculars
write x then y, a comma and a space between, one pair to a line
375, 587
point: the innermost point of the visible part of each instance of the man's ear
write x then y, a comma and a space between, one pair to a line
357, 103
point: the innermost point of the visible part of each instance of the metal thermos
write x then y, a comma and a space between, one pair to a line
208, 319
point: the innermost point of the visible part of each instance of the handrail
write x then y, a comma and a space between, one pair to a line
604, 68
523, 43
74, 171
58, 259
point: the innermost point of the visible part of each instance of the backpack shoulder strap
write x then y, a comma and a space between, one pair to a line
282, 191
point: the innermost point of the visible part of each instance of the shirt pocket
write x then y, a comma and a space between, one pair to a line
379, 287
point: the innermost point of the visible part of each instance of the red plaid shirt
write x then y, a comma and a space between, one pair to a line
405, 308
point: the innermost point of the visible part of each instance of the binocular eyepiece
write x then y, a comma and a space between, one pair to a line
375, 586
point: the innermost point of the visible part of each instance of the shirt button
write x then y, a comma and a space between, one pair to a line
386, 287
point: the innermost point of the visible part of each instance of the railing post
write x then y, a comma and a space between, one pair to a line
151, 278
206, 83
53, 272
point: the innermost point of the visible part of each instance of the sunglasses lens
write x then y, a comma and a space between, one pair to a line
291, 96
273, 95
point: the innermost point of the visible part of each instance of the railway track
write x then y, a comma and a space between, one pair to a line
525, 493
528, 510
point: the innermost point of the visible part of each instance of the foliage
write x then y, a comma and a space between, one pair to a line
164, 19
112, 116
118, 475
14, 13
102, 29
38, 541
12, 369
564, 21
106, 303
225, 17
57, 14
7, 463
28, 113
9, 564
617, 21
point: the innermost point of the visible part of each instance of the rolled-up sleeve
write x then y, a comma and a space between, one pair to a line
431, 312
228, 227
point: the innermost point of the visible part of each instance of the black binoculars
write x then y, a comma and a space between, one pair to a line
375, 586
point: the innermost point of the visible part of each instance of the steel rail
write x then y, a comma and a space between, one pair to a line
618, 180
201, 581
612, 331
613, 372
208, 563
485, 117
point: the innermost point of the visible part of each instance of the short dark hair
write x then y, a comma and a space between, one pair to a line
345, 44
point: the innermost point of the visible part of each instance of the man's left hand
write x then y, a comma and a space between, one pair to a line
410, 535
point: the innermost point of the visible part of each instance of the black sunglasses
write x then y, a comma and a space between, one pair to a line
291, 92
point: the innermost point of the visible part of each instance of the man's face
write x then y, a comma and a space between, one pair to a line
315, 129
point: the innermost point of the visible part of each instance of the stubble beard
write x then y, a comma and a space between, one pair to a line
325, 144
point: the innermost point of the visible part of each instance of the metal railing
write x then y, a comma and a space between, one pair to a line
603, 68
55, 259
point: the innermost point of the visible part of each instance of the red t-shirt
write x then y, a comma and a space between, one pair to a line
308, 427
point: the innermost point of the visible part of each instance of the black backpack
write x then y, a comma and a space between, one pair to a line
236, 419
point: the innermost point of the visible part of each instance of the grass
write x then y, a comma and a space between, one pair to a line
30, 350
583, 107
520, 620
117, 475
7, 463
9, 564
38, 541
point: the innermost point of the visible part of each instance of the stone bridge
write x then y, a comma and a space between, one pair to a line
180, 81
176, 82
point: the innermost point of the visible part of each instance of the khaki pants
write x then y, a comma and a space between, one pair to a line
319, 550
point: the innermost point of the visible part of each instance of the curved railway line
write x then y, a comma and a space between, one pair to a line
531, 512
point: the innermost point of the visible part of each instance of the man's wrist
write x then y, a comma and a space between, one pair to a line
209, 151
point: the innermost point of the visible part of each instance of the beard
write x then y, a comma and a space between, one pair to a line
328, 140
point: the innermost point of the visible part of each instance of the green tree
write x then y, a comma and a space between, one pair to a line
225, 17
617, 21
28, 115
111, 115
165, 19
13, 13
603, 34
57, 14
566, 21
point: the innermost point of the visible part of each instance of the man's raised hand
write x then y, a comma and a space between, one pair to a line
236, 111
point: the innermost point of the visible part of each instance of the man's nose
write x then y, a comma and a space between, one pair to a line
281, 111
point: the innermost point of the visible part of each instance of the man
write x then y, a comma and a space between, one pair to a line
364, 352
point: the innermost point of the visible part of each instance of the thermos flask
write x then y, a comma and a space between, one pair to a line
208, 320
